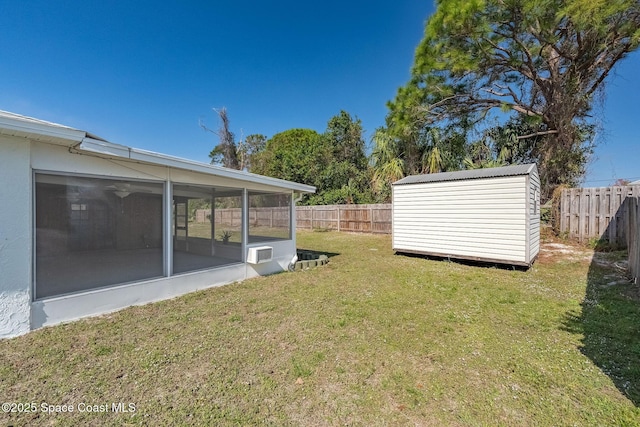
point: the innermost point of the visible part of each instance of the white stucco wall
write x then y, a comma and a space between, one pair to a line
15, 237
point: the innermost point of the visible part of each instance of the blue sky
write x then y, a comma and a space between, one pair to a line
144, 73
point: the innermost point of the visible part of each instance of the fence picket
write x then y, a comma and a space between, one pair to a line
374, 218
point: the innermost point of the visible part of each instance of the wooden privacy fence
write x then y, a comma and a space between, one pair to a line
355, 218
633, 237
258, 217
600, 213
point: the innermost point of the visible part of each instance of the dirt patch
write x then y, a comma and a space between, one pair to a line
551, 252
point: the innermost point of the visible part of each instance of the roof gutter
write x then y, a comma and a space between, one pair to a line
110, 150
24, 128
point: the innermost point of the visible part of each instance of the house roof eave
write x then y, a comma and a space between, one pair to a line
12, 124
108, 149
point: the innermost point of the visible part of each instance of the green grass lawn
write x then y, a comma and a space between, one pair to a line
370, 339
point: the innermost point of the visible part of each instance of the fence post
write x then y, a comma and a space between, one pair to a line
636, 273
339, 209
632, 228
633, 239
371, 215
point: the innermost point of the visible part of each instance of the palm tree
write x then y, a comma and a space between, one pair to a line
481, 156
386, 157
387, 163
433, 158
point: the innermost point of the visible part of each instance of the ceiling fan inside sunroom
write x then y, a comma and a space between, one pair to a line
123, 189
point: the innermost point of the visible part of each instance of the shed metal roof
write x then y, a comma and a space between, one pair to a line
514, 170
81, 141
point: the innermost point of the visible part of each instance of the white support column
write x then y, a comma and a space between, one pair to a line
167, 235
212, 218
292, 217
16, 237
245, 223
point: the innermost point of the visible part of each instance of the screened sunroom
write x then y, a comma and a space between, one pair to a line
111, 226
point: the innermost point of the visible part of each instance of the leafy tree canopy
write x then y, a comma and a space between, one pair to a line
334, 162
539, 62
344, 136
295, 155
249, 149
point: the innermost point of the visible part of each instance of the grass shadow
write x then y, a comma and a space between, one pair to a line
462, 261
314, 254
609, 321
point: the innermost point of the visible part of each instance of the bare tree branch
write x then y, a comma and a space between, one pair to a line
531, 135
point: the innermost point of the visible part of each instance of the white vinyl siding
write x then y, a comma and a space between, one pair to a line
476, 218
534, 215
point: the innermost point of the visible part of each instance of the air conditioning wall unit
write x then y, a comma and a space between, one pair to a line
260, 254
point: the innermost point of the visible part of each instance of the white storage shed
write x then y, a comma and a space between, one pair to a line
488, 215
